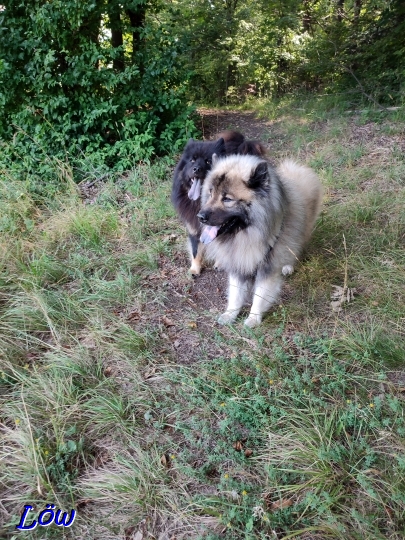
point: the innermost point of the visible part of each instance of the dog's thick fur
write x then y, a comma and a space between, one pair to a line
189, 176
256, 220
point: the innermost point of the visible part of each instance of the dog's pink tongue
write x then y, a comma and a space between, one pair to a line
208, 234
195, 190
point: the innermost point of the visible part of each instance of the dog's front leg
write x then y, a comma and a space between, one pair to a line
196, 252
266, 292
236, 298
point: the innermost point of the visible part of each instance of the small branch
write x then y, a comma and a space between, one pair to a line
99, 179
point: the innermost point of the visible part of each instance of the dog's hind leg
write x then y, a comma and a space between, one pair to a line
236, 298
196, 251
266, 292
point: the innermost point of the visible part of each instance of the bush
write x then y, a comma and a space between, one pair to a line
68, 88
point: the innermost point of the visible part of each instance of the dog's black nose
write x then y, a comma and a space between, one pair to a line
196, 169
202, 216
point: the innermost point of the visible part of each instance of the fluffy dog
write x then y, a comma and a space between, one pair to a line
188, 180
256, 220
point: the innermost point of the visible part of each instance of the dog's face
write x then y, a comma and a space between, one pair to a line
229, 193
197, 160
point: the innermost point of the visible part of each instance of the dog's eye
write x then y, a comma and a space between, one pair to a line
192, 159
208, 161
226, 199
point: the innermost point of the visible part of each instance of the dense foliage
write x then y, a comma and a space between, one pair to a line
95, 77
112, 80
270, 47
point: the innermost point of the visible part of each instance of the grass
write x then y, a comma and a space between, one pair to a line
293, 430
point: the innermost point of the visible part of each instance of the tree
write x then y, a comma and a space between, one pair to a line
281, 46
113, 78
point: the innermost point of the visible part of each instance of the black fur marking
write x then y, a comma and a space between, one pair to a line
232, 226
260, 179
228, 223
218, 180
194, 240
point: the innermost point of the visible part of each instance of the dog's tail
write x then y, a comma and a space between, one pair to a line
236, 143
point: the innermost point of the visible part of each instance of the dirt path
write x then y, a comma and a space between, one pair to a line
214, 121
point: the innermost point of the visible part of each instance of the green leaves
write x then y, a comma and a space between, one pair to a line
62, 92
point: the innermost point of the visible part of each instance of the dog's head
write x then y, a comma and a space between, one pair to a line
197, 161
230, 191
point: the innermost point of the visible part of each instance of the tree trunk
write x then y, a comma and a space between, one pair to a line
306, 17
340, 10
137, 19
357, 8
116, 34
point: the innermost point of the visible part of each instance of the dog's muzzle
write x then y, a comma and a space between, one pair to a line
203, 216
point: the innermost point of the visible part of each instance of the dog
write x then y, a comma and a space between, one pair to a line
189, 176
256, 221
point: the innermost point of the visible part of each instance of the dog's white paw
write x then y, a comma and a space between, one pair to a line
253, 320
227, 318
287, 270
195, 269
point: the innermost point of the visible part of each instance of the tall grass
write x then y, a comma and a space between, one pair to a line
294, 429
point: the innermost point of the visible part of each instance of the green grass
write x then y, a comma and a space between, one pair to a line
293, 430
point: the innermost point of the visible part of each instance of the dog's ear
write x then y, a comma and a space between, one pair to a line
214, 159
260, 177
219, 148
189, 143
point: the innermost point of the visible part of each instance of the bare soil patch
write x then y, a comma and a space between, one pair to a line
190, 310
214, 121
